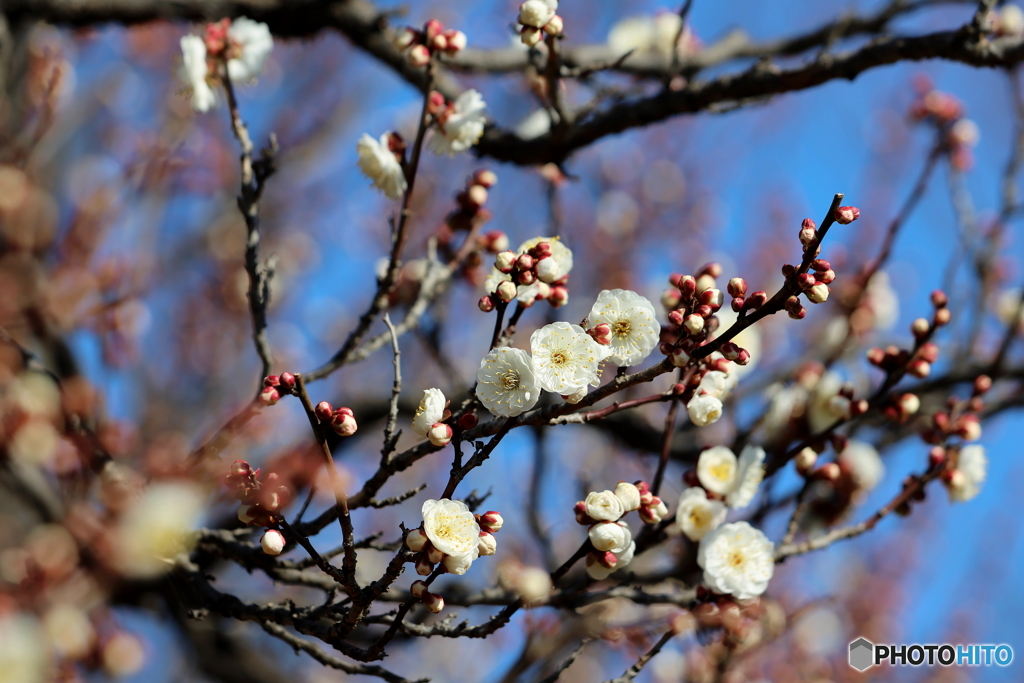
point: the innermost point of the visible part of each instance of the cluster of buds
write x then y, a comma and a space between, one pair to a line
427, 556
538, 18
961, 418
534, 268
470, 211
276, 386
610, 539
420, 46
946, 113
261, 501
693, 301
743, 623
917, 362
341, 420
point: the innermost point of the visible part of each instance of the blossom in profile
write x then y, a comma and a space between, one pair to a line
452, 529
566, 358
965, 480
635, 330
737, 560
506, 382
194, 73
704, 409
158, 527
429, 412
736, 480
460, 126
381, 165
697, 516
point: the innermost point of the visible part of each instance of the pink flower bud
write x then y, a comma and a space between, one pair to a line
805, 280
687, 285
982, 383
712, 297
487, 179
438, 43
829, 472
919, 328
404, 38
269, 396
807, 235
704, 311
602, 333
555, 26
821, 265
525, 262
670, 298
240, 468
968, 428
936, 456
693, 324
876, 356
492, 521
929, 351
827, 276
548, 270
606, 558
847, 214
939, 299
245, 513
505, 261
818, 294
808, 224
434, 555
676, 318
798, 314
323, 411
456, 41
737, 287
433, 602
909, 404
287, 381
705, 282
679, 358
711, 268
271, 381
919, 368
942, 317
506, 291
487, 544
757, 300
531, 36
419, 55
475, 197
343, 422
423, 566
418, 589
805, 460
272, 542
432, 28
737, 304
742, 358
486, 304
439, 434
415, 539
559, 297
788, 270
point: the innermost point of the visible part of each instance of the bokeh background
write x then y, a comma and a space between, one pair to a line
135, 213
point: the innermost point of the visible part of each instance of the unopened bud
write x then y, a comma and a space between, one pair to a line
757, 300
530, 36
272, 542
919, 368
434, 555
942, 317
271, 381
909, 404
821, 265
323, 411
475, 196
419, 55
670, 298
737, 287
492, 521
919, 328
424, 566
742, 358
343, 422
602, 333
505, 261
488, 179
506, 291
829, 472
245, 514
712, 297
827, 276
737, 304
807, 235
982, 383
439, 434
559, 297
939, 299
876, 356
456, 41
486, 544
270, 396
936, 456
805, 280
679, 358
415, 539
433, 602
555, 26
687, 285
405, 37
818, 294
438, 43
486, 304
418, 589
929, 352
968, 428
805, 460
712, 268
847, 214
548, 270
287, 381
693, 323
705, 281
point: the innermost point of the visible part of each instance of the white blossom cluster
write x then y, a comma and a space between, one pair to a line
243, 46
428, 422
610, 537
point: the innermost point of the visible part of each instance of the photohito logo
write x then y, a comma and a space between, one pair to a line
865, 654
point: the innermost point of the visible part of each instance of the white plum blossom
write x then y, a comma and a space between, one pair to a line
461, 127
604, 506
632, 318
825, 405
704, 409
380, 165
598, 571
251, 44
612, 537
969, 475
696, 516
565, 357
158, 527
862, 462
629, 494
194, 72
452, 529
537, 13
737, 559
716, 384
506, 382
720, 472
429, 412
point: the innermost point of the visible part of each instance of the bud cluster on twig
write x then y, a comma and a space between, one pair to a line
433, 39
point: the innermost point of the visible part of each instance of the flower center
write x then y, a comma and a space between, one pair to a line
559, 358
736, 559
510, 380
722, 471
621, 328
699, 517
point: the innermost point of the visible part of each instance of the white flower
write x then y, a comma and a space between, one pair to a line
737, 560
598, 571
696, 515
565, 357
506, 382
862, 461
25, 655
604, 506
452, 529
629, 494
251, 43
704, 409
737, 480
379, 164
655, 34
537, 13
193, 54
429, 412
462, 127
157, 528
971, 470
577, 396
635, 328
612, 537
716, 384
748, 477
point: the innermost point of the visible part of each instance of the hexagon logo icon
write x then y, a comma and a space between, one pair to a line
862, 654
